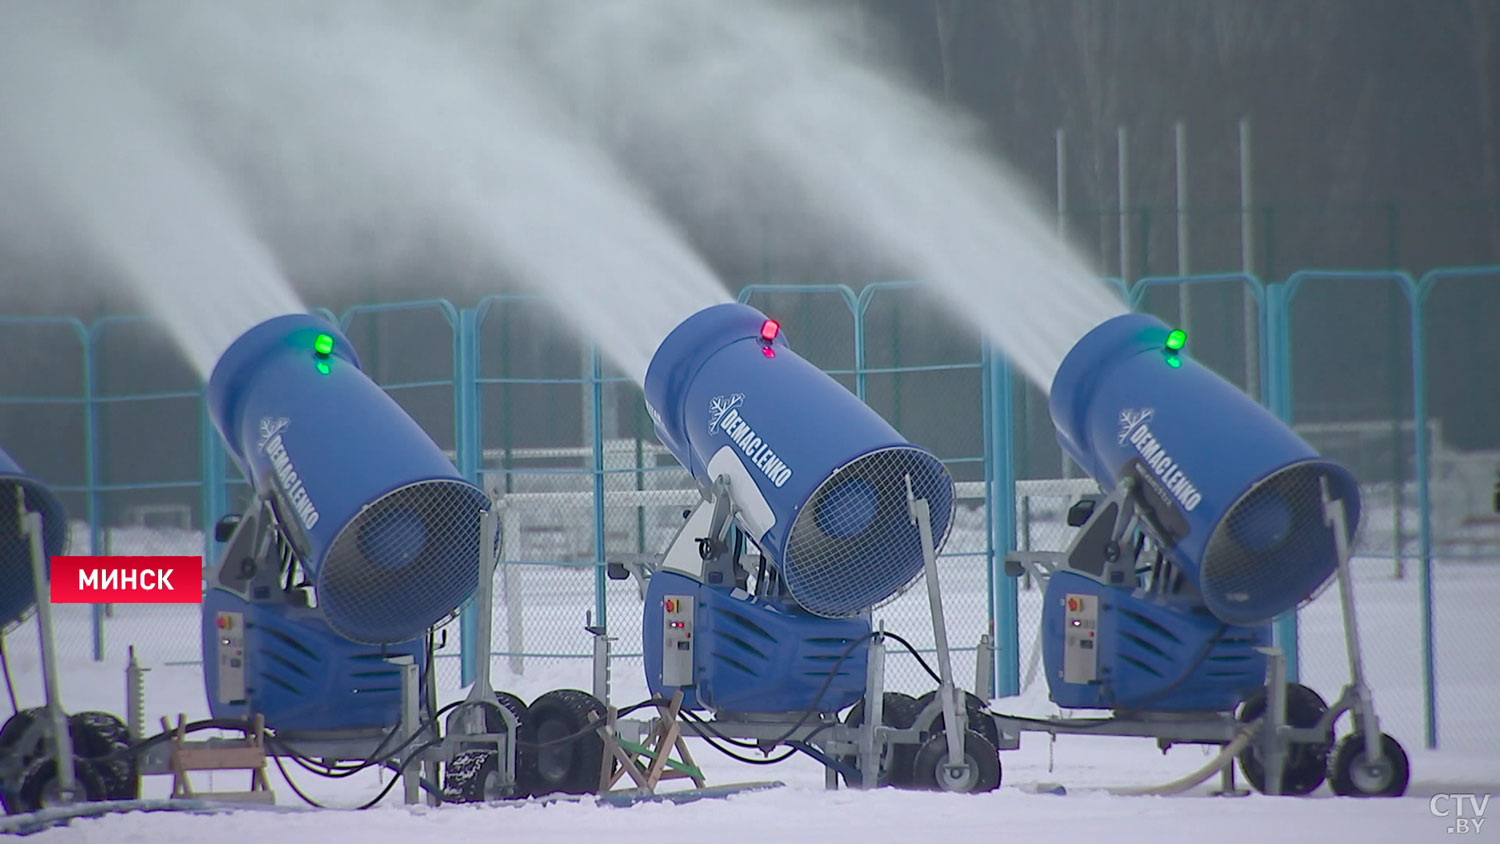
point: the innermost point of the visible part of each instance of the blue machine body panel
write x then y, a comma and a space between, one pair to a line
1237, 491
380, 517
299, 674
1149, 653
17, 585
818, 476
751, 656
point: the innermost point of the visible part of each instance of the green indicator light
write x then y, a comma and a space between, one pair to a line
1177, 339
323, 344
323, 368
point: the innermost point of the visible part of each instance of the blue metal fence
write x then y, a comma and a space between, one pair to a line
952, 391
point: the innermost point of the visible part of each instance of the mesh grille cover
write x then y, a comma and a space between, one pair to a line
853, 546
401, 565
17, 586
1272, 550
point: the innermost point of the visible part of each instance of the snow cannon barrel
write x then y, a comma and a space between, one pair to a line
385, 526
817, 477
17, 583
1234, 497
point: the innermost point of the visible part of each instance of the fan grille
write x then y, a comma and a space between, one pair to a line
404, 563
17, 586
854, 546
1273, 550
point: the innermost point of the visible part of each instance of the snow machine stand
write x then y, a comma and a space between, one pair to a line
34, 742
1215, 519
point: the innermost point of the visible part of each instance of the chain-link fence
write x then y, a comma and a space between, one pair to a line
1390, 376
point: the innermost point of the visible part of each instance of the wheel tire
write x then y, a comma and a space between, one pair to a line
37, 789
977, 722
473, 774
980, 755
474, 777
570, 768
97, 736
896, 710
1305, 765
15, 726
1349, 776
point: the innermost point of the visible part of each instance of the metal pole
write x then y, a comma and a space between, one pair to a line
62, 740
1124, 169
1062, 235
1247, 260
596, 377
869, 752
1424, 515
921, 515
1365, 718
1184, 291
411, 778
1062, 187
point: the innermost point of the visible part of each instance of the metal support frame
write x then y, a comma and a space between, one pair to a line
57, 718
955, 717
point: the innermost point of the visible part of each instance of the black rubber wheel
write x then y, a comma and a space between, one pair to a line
494, 722
1350, 775
929, 771
896, 710
39, 786
1305, 765
98, 736
978, 722
569, 767
15, 726
474, 777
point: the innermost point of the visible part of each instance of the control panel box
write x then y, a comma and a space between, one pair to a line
231, 656
1080, 638
677, 640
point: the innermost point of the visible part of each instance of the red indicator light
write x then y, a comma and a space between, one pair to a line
769, 329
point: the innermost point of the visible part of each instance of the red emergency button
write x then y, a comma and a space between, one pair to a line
671, 605
223, 622
1073, 604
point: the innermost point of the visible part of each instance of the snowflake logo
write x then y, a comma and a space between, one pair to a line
1131, 418
269, 428
720, 405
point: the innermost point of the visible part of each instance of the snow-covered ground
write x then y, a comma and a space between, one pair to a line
1468, 761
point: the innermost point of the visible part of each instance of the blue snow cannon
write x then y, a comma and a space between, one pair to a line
1216, 518
1233, 494
17, 586
810, 476
361, 537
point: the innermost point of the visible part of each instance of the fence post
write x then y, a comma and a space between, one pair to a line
1424, 525
1005, 615
469, 459
214, 498
1277, 391
597, 399
91, 433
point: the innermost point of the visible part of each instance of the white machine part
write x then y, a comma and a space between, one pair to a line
1080, 639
